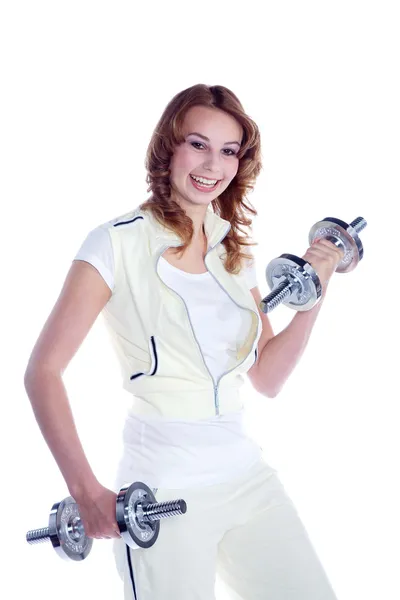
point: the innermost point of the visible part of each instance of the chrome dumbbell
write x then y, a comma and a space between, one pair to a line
138, 517
293, 280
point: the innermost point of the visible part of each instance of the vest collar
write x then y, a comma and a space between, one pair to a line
215, 229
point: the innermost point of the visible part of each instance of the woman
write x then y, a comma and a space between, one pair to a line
180, 299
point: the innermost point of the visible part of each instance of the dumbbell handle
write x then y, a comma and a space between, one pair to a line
150, 512
284, 289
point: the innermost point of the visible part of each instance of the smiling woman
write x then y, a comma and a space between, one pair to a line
204, 180
209, 161
185, 330
204, 132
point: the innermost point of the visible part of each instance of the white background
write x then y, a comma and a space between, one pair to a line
83, 85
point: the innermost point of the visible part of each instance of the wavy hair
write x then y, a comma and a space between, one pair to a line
232, 203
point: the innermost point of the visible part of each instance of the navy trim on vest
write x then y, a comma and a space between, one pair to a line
136, 375
153, 343
128, 555
125, 222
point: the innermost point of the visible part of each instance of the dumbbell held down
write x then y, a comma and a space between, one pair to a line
293, 280
138, 517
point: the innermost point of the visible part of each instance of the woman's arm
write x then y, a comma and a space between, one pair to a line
281, 353
82, 298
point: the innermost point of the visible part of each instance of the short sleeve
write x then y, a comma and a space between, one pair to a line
97, 250
249, 272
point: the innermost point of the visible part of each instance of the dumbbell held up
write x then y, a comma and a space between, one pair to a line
293, 280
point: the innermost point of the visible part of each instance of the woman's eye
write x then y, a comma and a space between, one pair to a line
231, 152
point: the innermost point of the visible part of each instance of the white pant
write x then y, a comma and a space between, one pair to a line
247, 530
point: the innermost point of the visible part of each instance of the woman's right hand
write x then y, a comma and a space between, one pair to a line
97, 509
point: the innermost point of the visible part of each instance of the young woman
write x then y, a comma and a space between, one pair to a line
179, 296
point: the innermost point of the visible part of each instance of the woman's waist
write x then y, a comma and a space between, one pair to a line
186, 403
229, 428
161, 463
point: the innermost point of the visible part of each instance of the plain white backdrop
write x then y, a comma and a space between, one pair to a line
83, 86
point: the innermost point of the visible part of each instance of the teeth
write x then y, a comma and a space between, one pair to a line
206, 181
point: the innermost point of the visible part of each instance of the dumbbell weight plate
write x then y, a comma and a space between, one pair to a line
133, 530
353, 248
66, 531
308, 290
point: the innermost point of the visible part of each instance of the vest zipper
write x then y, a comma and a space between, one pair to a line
216, 401
191, 325
240, 306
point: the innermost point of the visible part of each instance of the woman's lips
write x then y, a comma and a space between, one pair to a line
203, 188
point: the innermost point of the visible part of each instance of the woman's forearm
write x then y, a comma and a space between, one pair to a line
282, 352
53, 414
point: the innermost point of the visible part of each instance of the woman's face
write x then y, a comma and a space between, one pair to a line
214, 158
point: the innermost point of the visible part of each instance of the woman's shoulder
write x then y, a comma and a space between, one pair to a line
124, 220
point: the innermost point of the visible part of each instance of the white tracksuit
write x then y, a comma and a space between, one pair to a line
247, 528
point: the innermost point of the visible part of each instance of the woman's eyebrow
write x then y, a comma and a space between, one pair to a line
207, 139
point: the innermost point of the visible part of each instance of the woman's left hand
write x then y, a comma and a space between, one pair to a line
324, 257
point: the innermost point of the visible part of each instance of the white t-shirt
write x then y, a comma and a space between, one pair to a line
181, 453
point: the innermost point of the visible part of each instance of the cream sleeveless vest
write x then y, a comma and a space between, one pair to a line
161, 361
